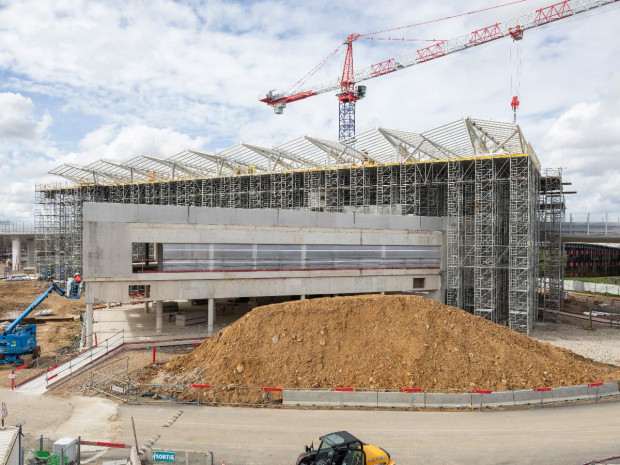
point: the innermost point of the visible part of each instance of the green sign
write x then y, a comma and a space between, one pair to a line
161, 456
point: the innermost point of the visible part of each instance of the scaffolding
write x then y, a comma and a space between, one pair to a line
552, 209
481, 176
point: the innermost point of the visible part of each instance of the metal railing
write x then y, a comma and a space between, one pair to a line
55, 370
85, 358
592, 224
9, 227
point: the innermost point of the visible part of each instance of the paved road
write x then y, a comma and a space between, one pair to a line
566, 435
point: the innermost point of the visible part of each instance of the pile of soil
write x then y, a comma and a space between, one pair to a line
379, 342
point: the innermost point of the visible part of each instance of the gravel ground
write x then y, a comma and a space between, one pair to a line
602, 344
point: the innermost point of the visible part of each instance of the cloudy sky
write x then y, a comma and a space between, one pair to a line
82, 80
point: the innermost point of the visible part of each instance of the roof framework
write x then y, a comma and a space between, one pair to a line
464, 138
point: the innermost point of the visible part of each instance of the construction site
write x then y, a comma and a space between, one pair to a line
482, 177
384, 277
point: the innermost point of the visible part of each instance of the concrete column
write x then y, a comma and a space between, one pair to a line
30, 249
211, 315
16, 253
159, 256
159, 315
89, 325
146, 306
302, 297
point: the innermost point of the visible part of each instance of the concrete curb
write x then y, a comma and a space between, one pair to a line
494, 399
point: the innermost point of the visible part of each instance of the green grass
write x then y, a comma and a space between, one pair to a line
601, 280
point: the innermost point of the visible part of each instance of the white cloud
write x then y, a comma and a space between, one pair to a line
17, 119
126, 142
161, 76
22, 169
585, 142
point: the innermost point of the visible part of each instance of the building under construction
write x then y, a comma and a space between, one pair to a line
483, 177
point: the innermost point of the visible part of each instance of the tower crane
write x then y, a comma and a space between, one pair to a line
350, 90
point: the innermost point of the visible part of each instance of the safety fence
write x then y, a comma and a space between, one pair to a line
586, 224
52, 373
20, 227
125, 390
599, 288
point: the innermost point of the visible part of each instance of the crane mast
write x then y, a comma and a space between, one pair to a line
348, 85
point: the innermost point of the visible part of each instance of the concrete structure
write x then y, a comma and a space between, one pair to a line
591, 260
18, 234
482, 176
213, 253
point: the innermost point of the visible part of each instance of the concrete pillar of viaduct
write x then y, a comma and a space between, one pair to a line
16, 251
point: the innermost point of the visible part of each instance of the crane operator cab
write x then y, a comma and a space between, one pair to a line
74, 287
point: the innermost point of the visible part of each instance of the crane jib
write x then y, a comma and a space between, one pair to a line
513, 28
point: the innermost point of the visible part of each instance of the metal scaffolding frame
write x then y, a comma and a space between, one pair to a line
552, 208
482, 176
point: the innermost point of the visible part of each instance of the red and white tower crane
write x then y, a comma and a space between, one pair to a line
350, 90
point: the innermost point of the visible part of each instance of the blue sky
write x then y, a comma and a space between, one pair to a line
82, 80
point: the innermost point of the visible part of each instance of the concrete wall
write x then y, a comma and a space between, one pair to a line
110, 230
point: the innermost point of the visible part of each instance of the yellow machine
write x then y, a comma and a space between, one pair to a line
342, 448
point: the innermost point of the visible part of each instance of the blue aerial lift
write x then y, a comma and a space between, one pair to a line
18, 345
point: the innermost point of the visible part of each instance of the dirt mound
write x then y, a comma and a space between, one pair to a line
381, 342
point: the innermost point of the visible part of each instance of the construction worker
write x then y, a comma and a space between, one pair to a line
77, 279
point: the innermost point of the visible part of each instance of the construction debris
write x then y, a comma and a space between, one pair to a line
376, 342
